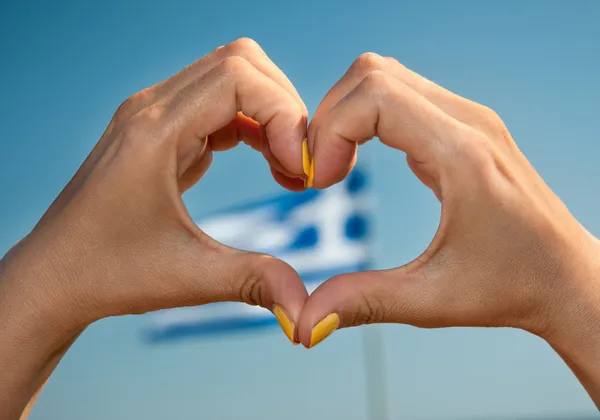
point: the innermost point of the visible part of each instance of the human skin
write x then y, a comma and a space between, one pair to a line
118, 239
507, 253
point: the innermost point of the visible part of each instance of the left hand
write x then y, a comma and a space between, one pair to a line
118, 239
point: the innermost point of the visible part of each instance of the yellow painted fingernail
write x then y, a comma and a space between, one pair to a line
311, 174
284, 322
305, 157
324, 328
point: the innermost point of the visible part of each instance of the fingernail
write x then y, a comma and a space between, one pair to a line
305, 157
311, 174
284, 322
324, 329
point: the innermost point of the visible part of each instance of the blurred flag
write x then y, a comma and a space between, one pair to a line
321, 233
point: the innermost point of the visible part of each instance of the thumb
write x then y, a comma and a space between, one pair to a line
222, 274
367, 297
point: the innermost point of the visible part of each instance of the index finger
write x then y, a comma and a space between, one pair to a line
380, 105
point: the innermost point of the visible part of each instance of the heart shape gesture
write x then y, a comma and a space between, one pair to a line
118, 239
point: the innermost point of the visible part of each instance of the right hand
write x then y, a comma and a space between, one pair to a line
507, 253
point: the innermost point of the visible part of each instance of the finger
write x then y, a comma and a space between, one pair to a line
291, 184
214, 100
278, 154
380, 105
458, 107
423, 176
246, 48
462, 109
368, 297
282, 151
243, 47
265, 148
242, 129
362, 66
202, 108
195, 171
248, 131
216, 273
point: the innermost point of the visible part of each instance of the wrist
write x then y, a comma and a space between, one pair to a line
31, 307
33, 336
573, 327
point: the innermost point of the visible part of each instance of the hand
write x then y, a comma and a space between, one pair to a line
507, 251
118, 239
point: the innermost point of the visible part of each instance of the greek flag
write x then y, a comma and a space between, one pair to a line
320, 233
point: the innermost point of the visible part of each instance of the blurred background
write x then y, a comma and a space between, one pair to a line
67, 65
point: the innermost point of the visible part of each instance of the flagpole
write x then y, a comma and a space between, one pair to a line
374, 356
375, 373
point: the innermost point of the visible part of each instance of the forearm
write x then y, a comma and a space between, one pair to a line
576, 332
45, 374
32, 341
27, 358
581, 352
587, 371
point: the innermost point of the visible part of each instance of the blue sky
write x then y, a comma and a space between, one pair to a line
66, 66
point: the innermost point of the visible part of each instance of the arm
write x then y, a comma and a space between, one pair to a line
118, 239
576, 335
32, 340
507, 253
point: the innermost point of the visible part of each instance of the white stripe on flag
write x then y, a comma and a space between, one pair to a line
320, 233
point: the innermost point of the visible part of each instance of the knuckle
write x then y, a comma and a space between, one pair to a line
491, 117
244, 47
254, 289
368, 62
251, 291
491, 123
234, 64
145, 125
478, 153
135, 128
126, 106
376, 83
392, 60
132, 105
376, 78
370, 310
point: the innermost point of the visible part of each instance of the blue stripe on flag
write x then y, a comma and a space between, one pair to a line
218, 327
235, 323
